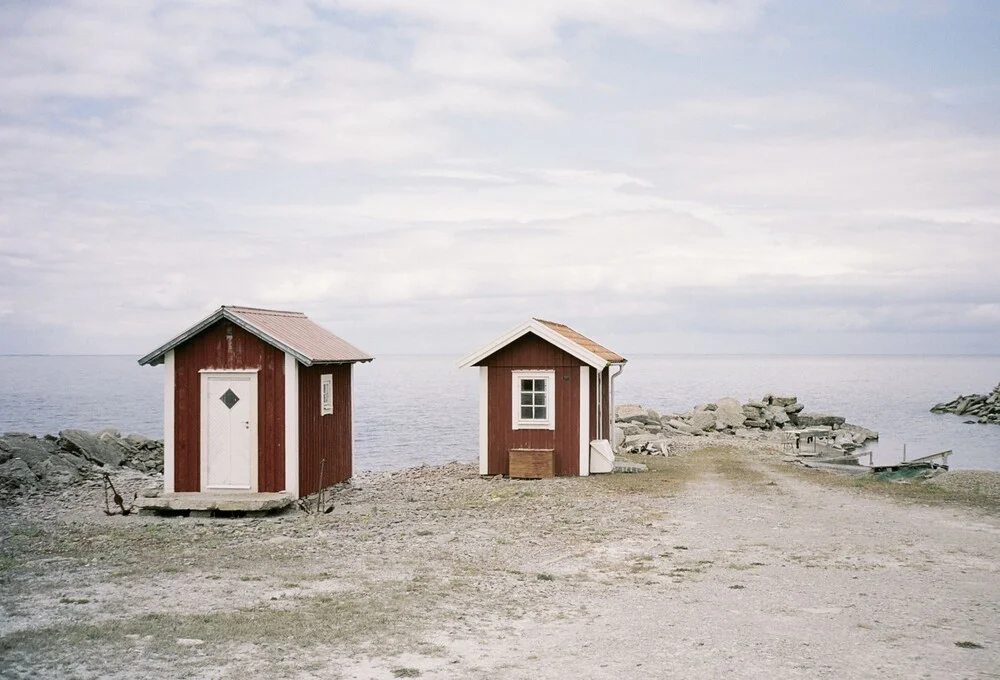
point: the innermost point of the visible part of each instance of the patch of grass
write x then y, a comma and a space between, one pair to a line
74, 600
666, 476
382, 617
546, 577
965, 644
912, 492
406, 672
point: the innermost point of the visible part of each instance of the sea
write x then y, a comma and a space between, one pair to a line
412, 410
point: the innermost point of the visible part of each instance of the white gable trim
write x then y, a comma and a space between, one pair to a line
156, 356
542, 331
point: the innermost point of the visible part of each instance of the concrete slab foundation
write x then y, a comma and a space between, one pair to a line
206, 503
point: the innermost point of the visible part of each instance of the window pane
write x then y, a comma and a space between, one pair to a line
526, 399
539, 385
526, 385
526, 412
540, 399
539, 413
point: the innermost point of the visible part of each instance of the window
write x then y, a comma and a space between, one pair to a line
326, 394
533, 400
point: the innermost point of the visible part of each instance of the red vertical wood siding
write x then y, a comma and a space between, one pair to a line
324, 437
213, 349
533, 353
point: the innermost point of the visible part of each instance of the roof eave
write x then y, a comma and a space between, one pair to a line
542, 331
155, 357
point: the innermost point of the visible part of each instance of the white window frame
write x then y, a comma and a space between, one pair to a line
326, 394
517, 423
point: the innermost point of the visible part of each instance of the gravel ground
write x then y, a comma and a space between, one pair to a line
720, 562
981, 482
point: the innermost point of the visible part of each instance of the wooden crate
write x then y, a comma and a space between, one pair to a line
532, 463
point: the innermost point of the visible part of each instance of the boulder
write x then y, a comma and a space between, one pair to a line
57, 472
16, 473
778, 414
753, 403
705, 407
681, 426
618, 436
638, 440
780, 399
703, 420
629, 411
759, 424
728, 413
630, 429
28, 448
813, 419
795, 408
104, 452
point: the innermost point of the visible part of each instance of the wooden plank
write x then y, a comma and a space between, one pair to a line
532, 463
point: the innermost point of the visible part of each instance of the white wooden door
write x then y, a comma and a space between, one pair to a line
229, 431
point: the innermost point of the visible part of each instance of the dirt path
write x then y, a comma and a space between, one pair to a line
719, 565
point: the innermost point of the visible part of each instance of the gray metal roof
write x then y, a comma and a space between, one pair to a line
291, 332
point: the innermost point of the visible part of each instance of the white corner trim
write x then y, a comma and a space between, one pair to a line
169, 379
542, 331
484, 420
291, 425
354, 440
584, 421
515, 400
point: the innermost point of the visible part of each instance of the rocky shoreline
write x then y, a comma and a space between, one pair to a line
985, 407
641, 430
29, 463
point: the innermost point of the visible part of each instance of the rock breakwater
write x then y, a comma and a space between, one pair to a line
985, 408
646, 431
30, 463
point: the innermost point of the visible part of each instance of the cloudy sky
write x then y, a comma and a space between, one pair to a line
718, 176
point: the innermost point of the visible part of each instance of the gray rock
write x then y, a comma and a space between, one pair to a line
639, 440
660, 447
753, 403
16, 473
629, 411
705, 407
780, 399
758, 424
795, 408
703, 420
729, 413
100, 451
812, 419
778, 414
681, 426
57, 472
28, 448
618, 436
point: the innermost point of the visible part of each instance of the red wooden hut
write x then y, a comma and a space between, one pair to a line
254, 400
546, 400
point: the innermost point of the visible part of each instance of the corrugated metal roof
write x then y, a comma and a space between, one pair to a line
292, 332
584, 342
297, 331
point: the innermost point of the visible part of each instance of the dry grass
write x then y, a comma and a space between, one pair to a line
908, 492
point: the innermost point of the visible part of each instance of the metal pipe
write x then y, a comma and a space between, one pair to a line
611, 400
